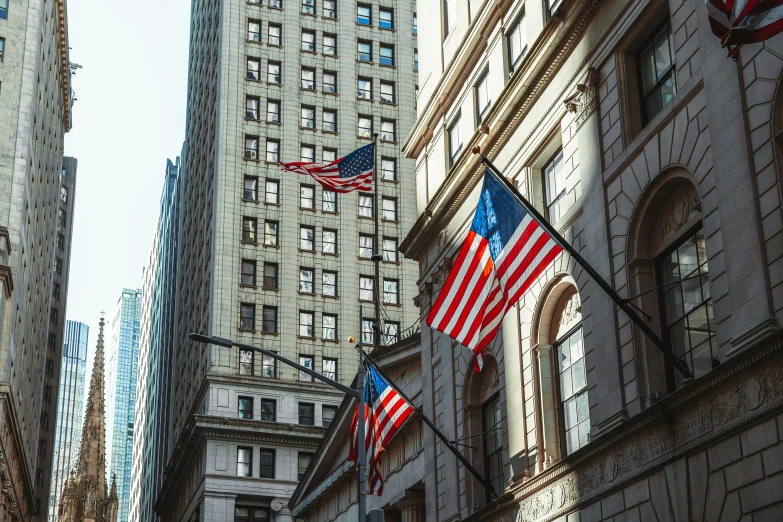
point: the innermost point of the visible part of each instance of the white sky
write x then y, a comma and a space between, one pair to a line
128, 118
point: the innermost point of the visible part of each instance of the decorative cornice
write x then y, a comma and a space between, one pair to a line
8, 280
65, 73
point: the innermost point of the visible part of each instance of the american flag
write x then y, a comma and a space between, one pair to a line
505, 251
385, 412
346, 174
738, 22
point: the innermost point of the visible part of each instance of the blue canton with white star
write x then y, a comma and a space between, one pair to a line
358, 161
498, 215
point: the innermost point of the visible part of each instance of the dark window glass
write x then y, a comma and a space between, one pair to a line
268, 409
572, 386
327, 415
267, 466
245, 407
306, 414
493, 444
657, 76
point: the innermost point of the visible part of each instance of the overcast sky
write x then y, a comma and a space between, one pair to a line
128, 118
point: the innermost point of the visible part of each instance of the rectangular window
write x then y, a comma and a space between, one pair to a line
271, 233
308, 79
455, 140
250, 189
327, 415
269, 407
573, 391
273, 111
483, 101
58, 266
307, 153
276, 4
50, 367
272, 150
308, 7
517, 45
386, 19
252, 104
364, 88
308, 362
308, 41
56, 291
364, 49
42, 449
249, 230
389, 209
273, 73
330, 120
416, 60
253, 68
306, 276
330, 366
248, 513
366, 288
363, 14
63, 190
330, 82
247, 316
271, 191
307, 238
415, 24
390, 249
388, 130
387, 92
493, 443
365, 126
308, 117
60, 242
266, 470
303, 463
391, 332
245, 407
366, 246
554, 188
391, 291
44, 421
39, 477
54, 315
254, 30
306, 324
246, 362
388, 169
307, 196
329, 328
658, 81
47, 395
269, 321
248, 273
244, 462
387, 54
368, 331
4, 9
366, 205
329, 197
330, 8
270, 276
329, 240
62, 217
251, 147
329, 284
449, 16
330, 44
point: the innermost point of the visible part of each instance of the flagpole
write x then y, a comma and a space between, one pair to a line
362, 450
376, 256
613, 295
490, 490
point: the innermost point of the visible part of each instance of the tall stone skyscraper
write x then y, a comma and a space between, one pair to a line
85, 497
150, 441
70, 410
35, 113
121, 370
273, 259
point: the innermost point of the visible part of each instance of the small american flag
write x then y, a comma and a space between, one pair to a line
505, 251
743, 22
346, 174
385, 412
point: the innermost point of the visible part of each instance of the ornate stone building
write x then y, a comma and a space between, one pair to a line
85, 496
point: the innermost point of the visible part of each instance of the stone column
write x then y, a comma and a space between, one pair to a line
412, 509
282, 513
548, 422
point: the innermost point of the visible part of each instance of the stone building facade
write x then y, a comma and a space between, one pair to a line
35, 111
272, 259
656, 157
85, 497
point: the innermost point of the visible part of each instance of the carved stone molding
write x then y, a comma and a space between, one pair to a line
585, 100
753, 334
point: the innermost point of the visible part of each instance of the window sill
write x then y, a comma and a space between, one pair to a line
271, 162
370, 62
329, 93
365, 99
274, 45
246, 331
331, 255
247, 286
369, 138
390, 262
305, 293
270, 289
388, 29
311, 129
274, 8
273, 334
252, 80
248, 40
367, 301
272, 122
333, 133
332, 341
364, 26
332, 18
389, 220
307, 338
327, 55
271, 246
391, 104
395, 305
307, 251
335, 297
390, 142
306, 90
360, 258
254, 243
307, 52
251, 159
272, 204
365, 217
395, 181
250, 200
273, 83
388, 66
313, 15
308, 209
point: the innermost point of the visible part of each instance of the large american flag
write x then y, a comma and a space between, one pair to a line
346, 174
505, 251
385, 412
738, 22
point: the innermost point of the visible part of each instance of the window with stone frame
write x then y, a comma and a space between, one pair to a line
253, 69
307, 325
249, 230
270, 276
274, 34
254, 30
273, 73
269, 407
306, 409
657, 78
391, 332
308, 117
390, 249
327, 415
271, 233
329, 200
252, 513
329, 283
516, 41
272, 191
491, 416
273, 111
247, 316
308, 41
269, 319
246, 362
245, 407
330, 44
308, 78
306, 284
391, 291
251, 147
572, 391
366, 288
272, 150
307, 238
307, 196
388, 169
252, 105
266, 469
366, 246
330, 9
303, 462
366, 205
330, 82
250, 189
244, 462
329, 328
248, 273
329, 241
364, 88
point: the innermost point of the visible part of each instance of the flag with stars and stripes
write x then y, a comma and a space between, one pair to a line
738, 22
505, 251
385, 411
351, 172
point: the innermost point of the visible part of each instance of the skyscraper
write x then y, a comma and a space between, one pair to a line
156, 341
121, 369
273, 259
70, 410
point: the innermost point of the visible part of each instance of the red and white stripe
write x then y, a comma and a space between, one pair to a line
738, 22
328, 175
479, 291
